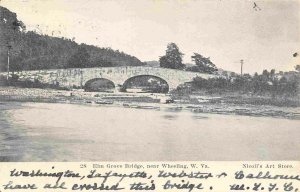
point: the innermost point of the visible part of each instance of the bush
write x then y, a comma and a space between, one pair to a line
257, 85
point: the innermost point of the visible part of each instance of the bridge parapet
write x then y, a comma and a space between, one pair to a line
78, 77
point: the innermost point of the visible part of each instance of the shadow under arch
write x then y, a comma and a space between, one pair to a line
99, 84
146, 83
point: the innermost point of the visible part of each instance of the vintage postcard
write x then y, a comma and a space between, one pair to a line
150, 81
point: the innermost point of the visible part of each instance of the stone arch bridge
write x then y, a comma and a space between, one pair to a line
77, 77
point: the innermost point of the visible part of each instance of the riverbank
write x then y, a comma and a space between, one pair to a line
194, 103
53, 95
238, 98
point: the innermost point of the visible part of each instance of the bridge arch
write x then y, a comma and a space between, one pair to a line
99, 84
148, 83
77, 77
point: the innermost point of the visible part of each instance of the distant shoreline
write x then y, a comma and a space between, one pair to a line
206, 104
54, 96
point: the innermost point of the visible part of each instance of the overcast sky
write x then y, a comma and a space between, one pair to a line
224, 30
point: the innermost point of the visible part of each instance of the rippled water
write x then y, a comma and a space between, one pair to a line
73, 132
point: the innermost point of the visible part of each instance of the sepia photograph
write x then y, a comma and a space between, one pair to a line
149, 80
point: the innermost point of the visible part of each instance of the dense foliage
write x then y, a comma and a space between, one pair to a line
173, 58
29, 50
267, 83
147, 84
203, 64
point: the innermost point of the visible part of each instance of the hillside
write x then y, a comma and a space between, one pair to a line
30, 51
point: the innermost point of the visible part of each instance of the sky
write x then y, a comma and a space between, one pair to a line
265, 37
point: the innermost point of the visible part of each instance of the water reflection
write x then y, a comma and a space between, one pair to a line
11, 138
71, 132
170, 117
199, 117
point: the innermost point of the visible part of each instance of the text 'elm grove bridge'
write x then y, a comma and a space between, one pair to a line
79, 77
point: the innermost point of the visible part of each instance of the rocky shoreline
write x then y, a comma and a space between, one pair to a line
195, 104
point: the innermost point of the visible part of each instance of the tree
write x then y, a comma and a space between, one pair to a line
80, 59
272, 74
204, 64
32, 51
10, 29
265, 75
193, 69
297, 67
173, 58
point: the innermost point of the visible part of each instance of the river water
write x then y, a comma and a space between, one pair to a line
74, 132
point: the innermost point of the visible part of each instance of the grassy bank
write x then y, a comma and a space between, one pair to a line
236, 98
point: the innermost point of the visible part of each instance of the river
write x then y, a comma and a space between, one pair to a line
82, 132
